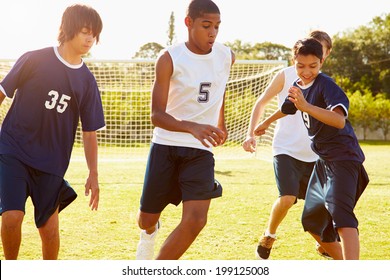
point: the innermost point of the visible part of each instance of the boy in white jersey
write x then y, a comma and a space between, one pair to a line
293, 158
188, 114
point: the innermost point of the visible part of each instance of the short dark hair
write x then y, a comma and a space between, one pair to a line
308, 46
75, 18
197, 8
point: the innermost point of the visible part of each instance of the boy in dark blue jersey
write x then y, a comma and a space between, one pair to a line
54, 89
339, 177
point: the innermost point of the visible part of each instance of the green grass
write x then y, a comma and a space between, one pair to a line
235, 221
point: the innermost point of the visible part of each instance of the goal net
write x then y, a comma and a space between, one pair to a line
125, 87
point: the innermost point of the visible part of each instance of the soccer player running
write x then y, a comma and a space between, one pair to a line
339, 177
293, 159
188, 114
54, 89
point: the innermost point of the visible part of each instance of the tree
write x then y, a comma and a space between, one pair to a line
260, 51
241, 50
382, 114
362, 56
171, 30
362, 111
271, 51
149, 51
385, 78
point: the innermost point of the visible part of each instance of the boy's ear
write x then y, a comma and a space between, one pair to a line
188, 21
327, 53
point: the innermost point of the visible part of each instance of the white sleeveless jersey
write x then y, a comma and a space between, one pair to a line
290, 135
196, 91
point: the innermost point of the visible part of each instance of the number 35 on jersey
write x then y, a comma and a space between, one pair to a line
57, 102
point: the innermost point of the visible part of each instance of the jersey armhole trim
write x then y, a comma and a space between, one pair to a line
3, 91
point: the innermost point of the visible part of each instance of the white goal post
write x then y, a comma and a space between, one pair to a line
125, 87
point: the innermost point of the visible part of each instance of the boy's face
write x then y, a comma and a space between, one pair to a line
307, 67
202, 32
83, 41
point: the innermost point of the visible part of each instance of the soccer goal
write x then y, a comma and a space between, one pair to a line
125, 87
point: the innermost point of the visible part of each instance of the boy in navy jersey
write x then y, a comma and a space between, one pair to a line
293, 158
52, 89
339, 177
188, 112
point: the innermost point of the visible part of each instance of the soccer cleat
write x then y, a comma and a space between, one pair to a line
321, 251
145, 248
264, 248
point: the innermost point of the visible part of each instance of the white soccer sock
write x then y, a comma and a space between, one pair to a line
267, 233
151, 235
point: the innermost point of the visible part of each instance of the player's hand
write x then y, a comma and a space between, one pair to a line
208, 135
92, 186
260, 129
295, 95
249, 144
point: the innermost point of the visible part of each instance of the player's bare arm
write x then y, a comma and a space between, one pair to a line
270, 92
263, 126
221, 122
335, 117
92, 184
203, 132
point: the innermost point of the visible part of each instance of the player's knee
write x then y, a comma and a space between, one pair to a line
50, 230
146, 221
12, 220
48, 235
287, 201
145, 224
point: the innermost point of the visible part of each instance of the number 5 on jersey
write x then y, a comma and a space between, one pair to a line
204, 92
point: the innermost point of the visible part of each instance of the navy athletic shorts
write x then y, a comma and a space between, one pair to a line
292, 175
174, 174
19, 181
333, 192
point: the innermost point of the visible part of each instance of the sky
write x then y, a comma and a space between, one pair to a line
129, 24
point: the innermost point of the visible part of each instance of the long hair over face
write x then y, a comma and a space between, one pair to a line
75, 18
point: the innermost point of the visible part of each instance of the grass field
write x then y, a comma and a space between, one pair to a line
235, 221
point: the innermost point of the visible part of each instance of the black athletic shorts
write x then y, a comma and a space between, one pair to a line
292, 175
332, 194
19, 181
174, 174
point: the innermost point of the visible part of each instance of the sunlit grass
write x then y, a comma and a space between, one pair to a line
235, 221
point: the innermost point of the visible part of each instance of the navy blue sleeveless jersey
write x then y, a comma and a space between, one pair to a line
51, 97
328, 142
